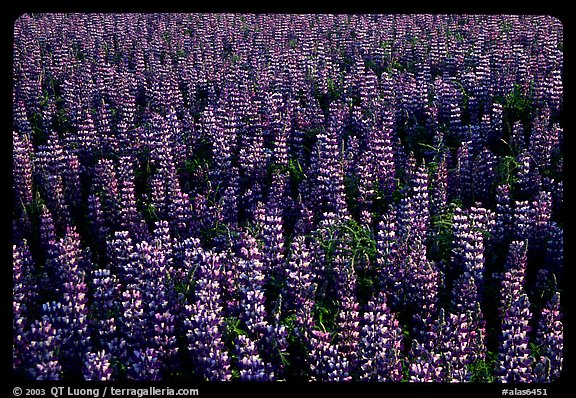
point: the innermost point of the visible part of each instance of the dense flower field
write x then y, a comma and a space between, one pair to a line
287, 197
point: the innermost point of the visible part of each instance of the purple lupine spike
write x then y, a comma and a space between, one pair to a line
503, 214
468, 244
342, 276
129, 215
484, 175
550, 339
204, 322
68, 268
55, 201
421, 287
517, 139
542, 140
329, 175
41, 360
251, 280
273, 236
158, 200
104, 126
97, 221
349, 331
465, 293
388, 260
132, 323
22, 166
64, 265
144, 365
522, 221
554, 258
458, 346
556, 188
514, 276
514, 363
540, 216
21, 122
528, 178
555, 90
106, 184
25, 282
71, 181
300, 285
273, 346
380, 346
438, 187
469, 339
250, 365
496, 122
324, 359
421, 198
105, 308
24, 297
424, 365
301, 288
464, 173
410, 169
97, 366
156, 279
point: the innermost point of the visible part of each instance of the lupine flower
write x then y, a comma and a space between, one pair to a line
250, 365
550, 339
325, 361
198, 194
425, 366
97, 366
349, 330
22, 164
144, 365
555, 250
514, 363
380, 346
300, 286
514, 276
204, 323
41, 358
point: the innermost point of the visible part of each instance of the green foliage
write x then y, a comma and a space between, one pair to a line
192, 165
483, 370
350, 237
506, 26
442, 225
405, 371
517, 105
535, 350
181, 54
366, 286
194, 171
518, 101
506, 170
293, 169
209, 235
166, 37
351, 192
232, 328
34, 208
149, 213
118, 368
234, 58
326, 315
417, 139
